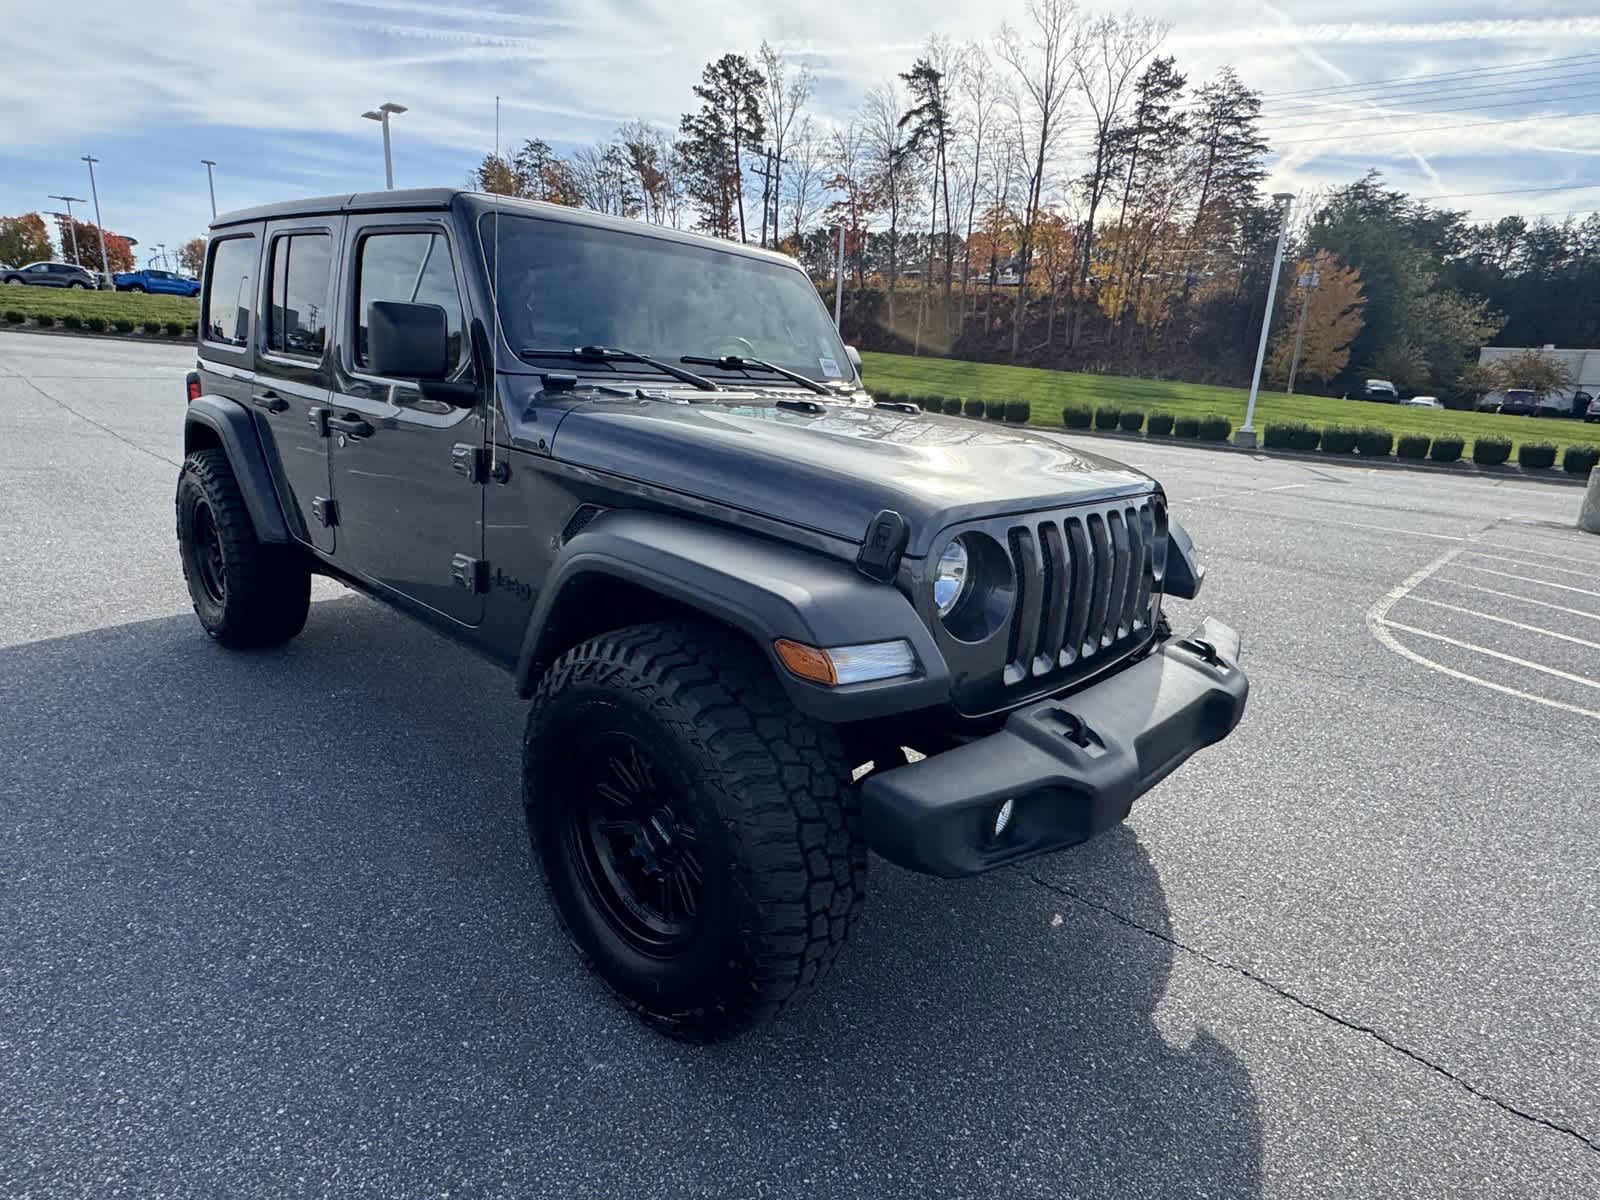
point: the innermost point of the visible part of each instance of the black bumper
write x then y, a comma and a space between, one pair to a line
1073, 765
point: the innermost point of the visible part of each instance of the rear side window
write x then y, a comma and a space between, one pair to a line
297, 316
229, 288
410, 267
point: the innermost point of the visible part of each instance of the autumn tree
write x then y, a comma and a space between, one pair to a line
192, 256
852, 183
657, 174
1324, 317
1532, 370
713, 141
533, 172
118, 251
23, 240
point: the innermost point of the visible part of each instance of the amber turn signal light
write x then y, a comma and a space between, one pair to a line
806, 661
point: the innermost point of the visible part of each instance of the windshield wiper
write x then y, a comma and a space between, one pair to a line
613, 354
735, 362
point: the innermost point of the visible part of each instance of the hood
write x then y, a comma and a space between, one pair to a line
834, 471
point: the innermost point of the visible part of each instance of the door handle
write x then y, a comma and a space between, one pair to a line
270, 401
354, 426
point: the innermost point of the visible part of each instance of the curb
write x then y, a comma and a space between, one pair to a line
104, 336
1464, 469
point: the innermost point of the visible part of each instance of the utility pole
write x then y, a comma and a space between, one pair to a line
105, 259
211, 186
72, 225
381, 115
767, 173
1307, 282
838, 280
1246, 436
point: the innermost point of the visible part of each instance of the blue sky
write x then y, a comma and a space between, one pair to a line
274, 92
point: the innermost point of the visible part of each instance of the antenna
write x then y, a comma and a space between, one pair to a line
494, 296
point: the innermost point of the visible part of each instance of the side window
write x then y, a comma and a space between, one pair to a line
40, 268
229, 290
297, 316
410, 267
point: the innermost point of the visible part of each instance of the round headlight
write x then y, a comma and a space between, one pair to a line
951, 580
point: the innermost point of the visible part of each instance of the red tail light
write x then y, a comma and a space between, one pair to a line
192, 384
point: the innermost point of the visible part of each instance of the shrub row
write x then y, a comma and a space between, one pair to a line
1447, 448
1016, 411
1211, 427
101, 324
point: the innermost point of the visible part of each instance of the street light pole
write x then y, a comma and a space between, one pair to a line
72, 225
1307, 282
1247, 432
381, 115
211, 185
105, 259
838, 279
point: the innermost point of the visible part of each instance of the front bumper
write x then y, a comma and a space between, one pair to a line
1073, 765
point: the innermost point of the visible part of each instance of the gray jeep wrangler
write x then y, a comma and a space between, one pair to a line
639, 470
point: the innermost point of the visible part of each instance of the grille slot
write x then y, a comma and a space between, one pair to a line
1086, 587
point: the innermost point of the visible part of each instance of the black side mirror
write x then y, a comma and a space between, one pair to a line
408, 341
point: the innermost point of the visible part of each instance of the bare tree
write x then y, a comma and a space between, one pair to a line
849, 160
803, 183
980, 98
606, 180
784, 94
1041, 60
653, 162
891, 175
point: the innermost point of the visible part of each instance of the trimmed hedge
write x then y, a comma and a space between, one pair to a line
1539, 456
995, 410
1281, 435
1580, 460
153, 328
174, 328
1491, 451
98, 324
72, 321
124, 325
1374, 443
1018, 411
45, 320
1446, 449
1131, 422
1412, 445
1186, 427
1215, 428
1339, 439
973, 408
1107, 418
13, 317
1075, 416
1160, 424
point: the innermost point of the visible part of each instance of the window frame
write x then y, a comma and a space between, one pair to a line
350, 332
265, 347
242, 349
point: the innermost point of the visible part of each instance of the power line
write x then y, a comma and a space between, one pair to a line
1442, 128
1456, 91
1518, 68
1364, 120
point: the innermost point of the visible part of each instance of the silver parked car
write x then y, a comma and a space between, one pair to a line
51, 274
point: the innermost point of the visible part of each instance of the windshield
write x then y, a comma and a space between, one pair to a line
563, 285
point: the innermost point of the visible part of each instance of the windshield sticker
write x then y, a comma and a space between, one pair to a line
830, 369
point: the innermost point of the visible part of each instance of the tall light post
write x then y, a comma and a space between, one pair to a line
105, 259
1247, 432
381, 114
211, 185
838, 279
72, 225
1307, 282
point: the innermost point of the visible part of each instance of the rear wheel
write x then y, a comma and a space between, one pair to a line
137, 287
699, 838
79, 284
245, 593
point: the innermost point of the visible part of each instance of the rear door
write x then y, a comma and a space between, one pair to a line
407, 476
290, 397
227, 314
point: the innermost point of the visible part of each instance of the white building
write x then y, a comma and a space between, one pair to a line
1583, 364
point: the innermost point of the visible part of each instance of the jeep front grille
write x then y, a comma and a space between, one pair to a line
1086, 579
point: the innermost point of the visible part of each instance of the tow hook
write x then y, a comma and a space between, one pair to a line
1204, 650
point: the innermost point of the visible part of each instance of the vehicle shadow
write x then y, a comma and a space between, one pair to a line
270, 927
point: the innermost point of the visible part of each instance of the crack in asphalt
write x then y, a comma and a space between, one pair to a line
60, 403
1311, 1006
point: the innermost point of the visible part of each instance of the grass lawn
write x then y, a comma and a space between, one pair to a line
1047, 391
60, 302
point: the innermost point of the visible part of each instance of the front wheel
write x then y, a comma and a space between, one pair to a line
79, 285
137, 287
700, 840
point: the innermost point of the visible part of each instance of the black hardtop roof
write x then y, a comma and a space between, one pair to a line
422, 199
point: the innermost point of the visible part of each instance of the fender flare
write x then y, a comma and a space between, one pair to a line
765, 589
236, 430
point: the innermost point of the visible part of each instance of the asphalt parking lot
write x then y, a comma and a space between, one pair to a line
268, 925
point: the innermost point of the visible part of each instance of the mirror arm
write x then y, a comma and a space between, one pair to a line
460, 393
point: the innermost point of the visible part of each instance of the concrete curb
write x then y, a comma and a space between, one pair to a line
183, 339
1461, 470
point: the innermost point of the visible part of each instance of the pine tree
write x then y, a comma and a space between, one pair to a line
714, 139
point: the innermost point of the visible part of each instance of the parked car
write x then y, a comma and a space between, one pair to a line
51, 274
151, 280
1381, 390
1518, 402
1423, 402
1593, 412
733, 585
1581, 403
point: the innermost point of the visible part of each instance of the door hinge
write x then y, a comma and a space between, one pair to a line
469, 461
318, 419
325, 511
470, 573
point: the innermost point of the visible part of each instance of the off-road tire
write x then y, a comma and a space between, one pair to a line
768, 793
265, 590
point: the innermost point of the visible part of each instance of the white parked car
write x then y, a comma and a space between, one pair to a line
1423, 402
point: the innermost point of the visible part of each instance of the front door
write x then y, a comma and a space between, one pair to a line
406, 485
290, 393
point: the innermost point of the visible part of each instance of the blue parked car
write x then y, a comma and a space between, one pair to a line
150, 280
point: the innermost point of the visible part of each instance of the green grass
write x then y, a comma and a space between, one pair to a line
1046, 391
135, 306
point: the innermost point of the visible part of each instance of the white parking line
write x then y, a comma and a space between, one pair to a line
1483, 616
1566, 558
1510, 658
1461, 583
1282, 487
1533, 566
1378, 623
1565, 587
